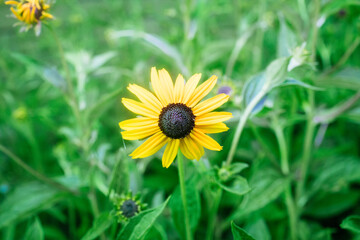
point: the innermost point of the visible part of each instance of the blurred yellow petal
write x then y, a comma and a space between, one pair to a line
47, 15
146, 97
196, 150
205, 140
16, 14
170, 152
212, 118
184, 149
139, 122
140, 133
150, 146
201, 91
179, 89
210, 104
168, 86
12, 2
157, 86
139, 108
213, 128
190, 87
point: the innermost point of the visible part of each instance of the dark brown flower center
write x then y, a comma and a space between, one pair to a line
176, 120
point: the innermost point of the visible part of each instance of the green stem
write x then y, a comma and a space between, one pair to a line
183, 194
284, 156
69, 87
315, 29
291, 209
212, 218
33, 172
307, 147
241, 124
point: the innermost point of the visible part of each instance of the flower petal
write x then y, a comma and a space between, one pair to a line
170, 152
213, 128
205, 140
12, 2
196, 150
179, 89
158, 86
168, 86
210, 104
190, 87
139, 122
139, 108
150, 146
184, 149
202, 90
146, 97
212, 118
139, 133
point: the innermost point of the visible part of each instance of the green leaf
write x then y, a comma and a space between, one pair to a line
34, 231
258, 229
139, 225
351, 223
295, 82
252, 89
156, 232
238, 185
286, 39
27, 200
239, 233
328, 204
266, 185
335, 172
100, 225
348, 78
276, 71
193, 202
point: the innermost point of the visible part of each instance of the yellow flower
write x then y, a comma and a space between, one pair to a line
30, 11
174, 116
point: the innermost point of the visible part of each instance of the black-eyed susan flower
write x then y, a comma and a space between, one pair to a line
174, 116
30, 12
127, 206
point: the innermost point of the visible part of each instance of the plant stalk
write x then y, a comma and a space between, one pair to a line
241, 124
307, 147
284, 156
181, 170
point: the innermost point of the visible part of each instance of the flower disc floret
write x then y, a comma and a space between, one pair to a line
176, 120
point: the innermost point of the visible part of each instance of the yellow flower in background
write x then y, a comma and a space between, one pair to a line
30, 12
174, 116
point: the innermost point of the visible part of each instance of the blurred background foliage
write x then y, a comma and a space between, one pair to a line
314, 117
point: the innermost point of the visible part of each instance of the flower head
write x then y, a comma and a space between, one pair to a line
128, 206
30, 12
174, 116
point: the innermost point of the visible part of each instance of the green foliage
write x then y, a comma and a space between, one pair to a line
34, 231
239, 233
193, 205
138, 226
100, 225
351, 223
290, 164
27, 200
